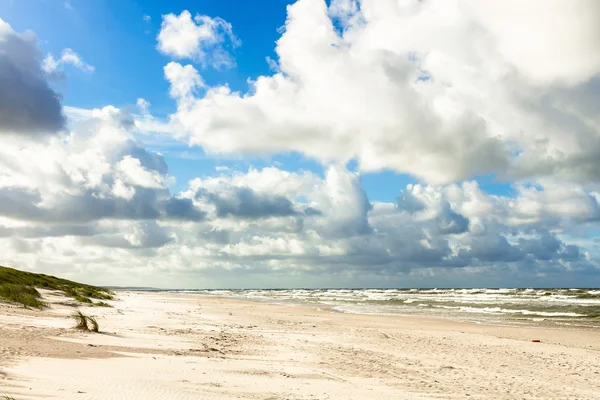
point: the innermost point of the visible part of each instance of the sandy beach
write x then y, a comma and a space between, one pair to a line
178, 346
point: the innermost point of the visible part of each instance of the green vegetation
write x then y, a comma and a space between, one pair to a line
82, 320
83, 299
102, 304
22, 294
19, 287
89, 291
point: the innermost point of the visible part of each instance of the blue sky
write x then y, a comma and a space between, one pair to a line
316, 151
121, 45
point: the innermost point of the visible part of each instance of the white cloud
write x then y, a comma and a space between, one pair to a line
201, 39
183, 80
132, 172
96, 172
50, 65
345, 203
143, 105
442, 90
546, 40
119, 189
438, 89
96, 200
147, 18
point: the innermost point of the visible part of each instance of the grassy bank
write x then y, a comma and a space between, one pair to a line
22, 294
20, 287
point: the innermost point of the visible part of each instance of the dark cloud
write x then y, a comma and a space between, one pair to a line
543, 247
548, 247
49, 231
183, 209
492, 247
146, 204
148, 235
27, 103
449, 222
244, 202
310, 211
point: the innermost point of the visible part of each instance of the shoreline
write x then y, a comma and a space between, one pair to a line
442, 322
527, 323
180, 346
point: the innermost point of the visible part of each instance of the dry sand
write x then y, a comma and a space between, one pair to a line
166, 346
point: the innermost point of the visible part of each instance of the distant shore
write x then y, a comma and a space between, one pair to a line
179, 346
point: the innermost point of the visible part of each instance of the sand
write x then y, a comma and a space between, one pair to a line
166, 346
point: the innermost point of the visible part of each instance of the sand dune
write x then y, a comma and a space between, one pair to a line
165, 346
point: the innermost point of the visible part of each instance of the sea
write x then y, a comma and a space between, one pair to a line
574, 308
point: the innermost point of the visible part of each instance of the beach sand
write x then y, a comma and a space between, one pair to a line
179, 346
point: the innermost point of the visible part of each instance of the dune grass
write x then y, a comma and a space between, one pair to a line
93, 324
84, 322
28, 296
8, 397
83, 299
81, 321
19, 286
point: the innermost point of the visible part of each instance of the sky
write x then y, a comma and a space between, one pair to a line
308, 143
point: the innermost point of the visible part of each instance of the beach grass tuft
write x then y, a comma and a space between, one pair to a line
8, 397
93, 323
85, 322
81, 320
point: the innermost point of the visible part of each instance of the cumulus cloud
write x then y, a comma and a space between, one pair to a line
50, 65
521, 31
345, 203
98, 198
438, 89
183, 80
244, 202
202, 39
132, 172
96, 172
27, 103
271, 221
442, 90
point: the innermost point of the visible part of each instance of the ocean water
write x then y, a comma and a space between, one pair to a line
576, 308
